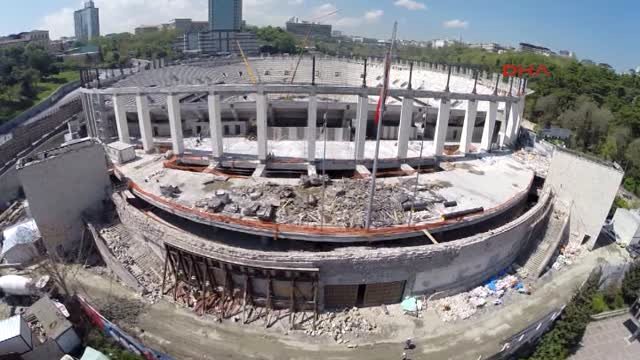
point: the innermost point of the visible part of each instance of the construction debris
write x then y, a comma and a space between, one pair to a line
343, 325
345, 202
170, 191
464, 305
533, 160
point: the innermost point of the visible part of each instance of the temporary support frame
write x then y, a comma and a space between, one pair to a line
195, 285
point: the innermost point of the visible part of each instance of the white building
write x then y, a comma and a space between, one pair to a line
626, 226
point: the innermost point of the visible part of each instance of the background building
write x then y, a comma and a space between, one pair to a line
302, 28
225, 15
181, 26
525, 47
40, 37
87, 22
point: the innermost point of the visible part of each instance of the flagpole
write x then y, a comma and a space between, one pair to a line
379, 113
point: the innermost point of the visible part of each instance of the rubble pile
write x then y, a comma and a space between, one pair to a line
533, 160
120, 309
464, 305
340, 325
12, 215
345, 202
119, 243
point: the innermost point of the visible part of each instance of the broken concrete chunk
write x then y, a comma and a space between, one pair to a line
255, 195
266, 212
250, 210
170, 191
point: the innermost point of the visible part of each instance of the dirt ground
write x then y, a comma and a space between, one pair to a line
184, 335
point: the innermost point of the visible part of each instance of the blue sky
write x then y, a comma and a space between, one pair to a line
598, 30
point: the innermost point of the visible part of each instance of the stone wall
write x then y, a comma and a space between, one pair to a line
450, 267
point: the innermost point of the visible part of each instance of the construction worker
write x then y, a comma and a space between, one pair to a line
408, 345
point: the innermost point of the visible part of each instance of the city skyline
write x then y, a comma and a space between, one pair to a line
566, 26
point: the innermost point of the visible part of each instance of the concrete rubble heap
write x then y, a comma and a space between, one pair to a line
345, 202
466, 304
350, 323
119, 243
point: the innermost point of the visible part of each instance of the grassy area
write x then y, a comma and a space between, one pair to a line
48, 85
45, 87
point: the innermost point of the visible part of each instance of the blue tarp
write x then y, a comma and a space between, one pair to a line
409, 304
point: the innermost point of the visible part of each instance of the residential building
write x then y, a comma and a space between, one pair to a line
225, 15
39, 37
526, 47
491, 47
219, 43
306, 28
87, 22
567, 53
440, 43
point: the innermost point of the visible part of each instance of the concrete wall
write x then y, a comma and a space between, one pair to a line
9, 182
451, 266
62, 185
626, 225
587, 187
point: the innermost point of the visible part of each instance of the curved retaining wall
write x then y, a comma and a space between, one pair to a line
447, 267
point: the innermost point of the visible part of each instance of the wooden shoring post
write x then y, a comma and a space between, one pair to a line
268, 304
164, 272
244, 299
203, 288
292, 304
224, 291
212, 279
315, 303
176, 275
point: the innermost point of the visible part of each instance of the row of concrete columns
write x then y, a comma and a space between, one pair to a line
509, 130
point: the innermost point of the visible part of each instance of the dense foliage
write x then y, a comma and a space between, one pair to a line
566, 334
274, 40
631, 284
22, 70
117, 49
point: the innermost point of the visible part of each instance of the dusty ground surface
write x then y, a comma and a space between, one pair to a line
184, 335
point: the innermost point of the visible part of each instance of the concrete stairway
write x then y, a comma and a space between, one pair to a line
547, 246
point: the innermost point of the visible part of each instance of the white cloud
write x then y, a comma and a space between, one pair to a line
410, 4
295, 2
373, 15
126, 15
456, 24
329, 14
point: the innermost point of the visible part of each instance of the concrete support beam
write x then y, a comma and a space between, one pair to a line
215, 125
312, 123
441, 127
407, 169
406, 115
521, 105
312, 170
121, 119
259, 171
489, 125
363, 171
514, 122
362, 112
261, 119
468, 126
144, 121
504, 127
175, 124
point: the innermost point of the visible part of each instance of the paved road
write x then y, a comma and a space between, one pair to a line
606, 339
180, 333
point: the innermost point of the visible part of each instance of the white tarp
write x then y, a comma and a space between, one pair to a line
19, 242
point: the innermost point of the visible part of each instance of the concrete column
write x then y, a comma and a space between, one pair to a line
312, 123
504, 127
406, 115
144, 121
489, 124
121, 119
514, 122
261, 118
520, 116
175, 124
441, 127
215, 125
361, 130
468, 126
